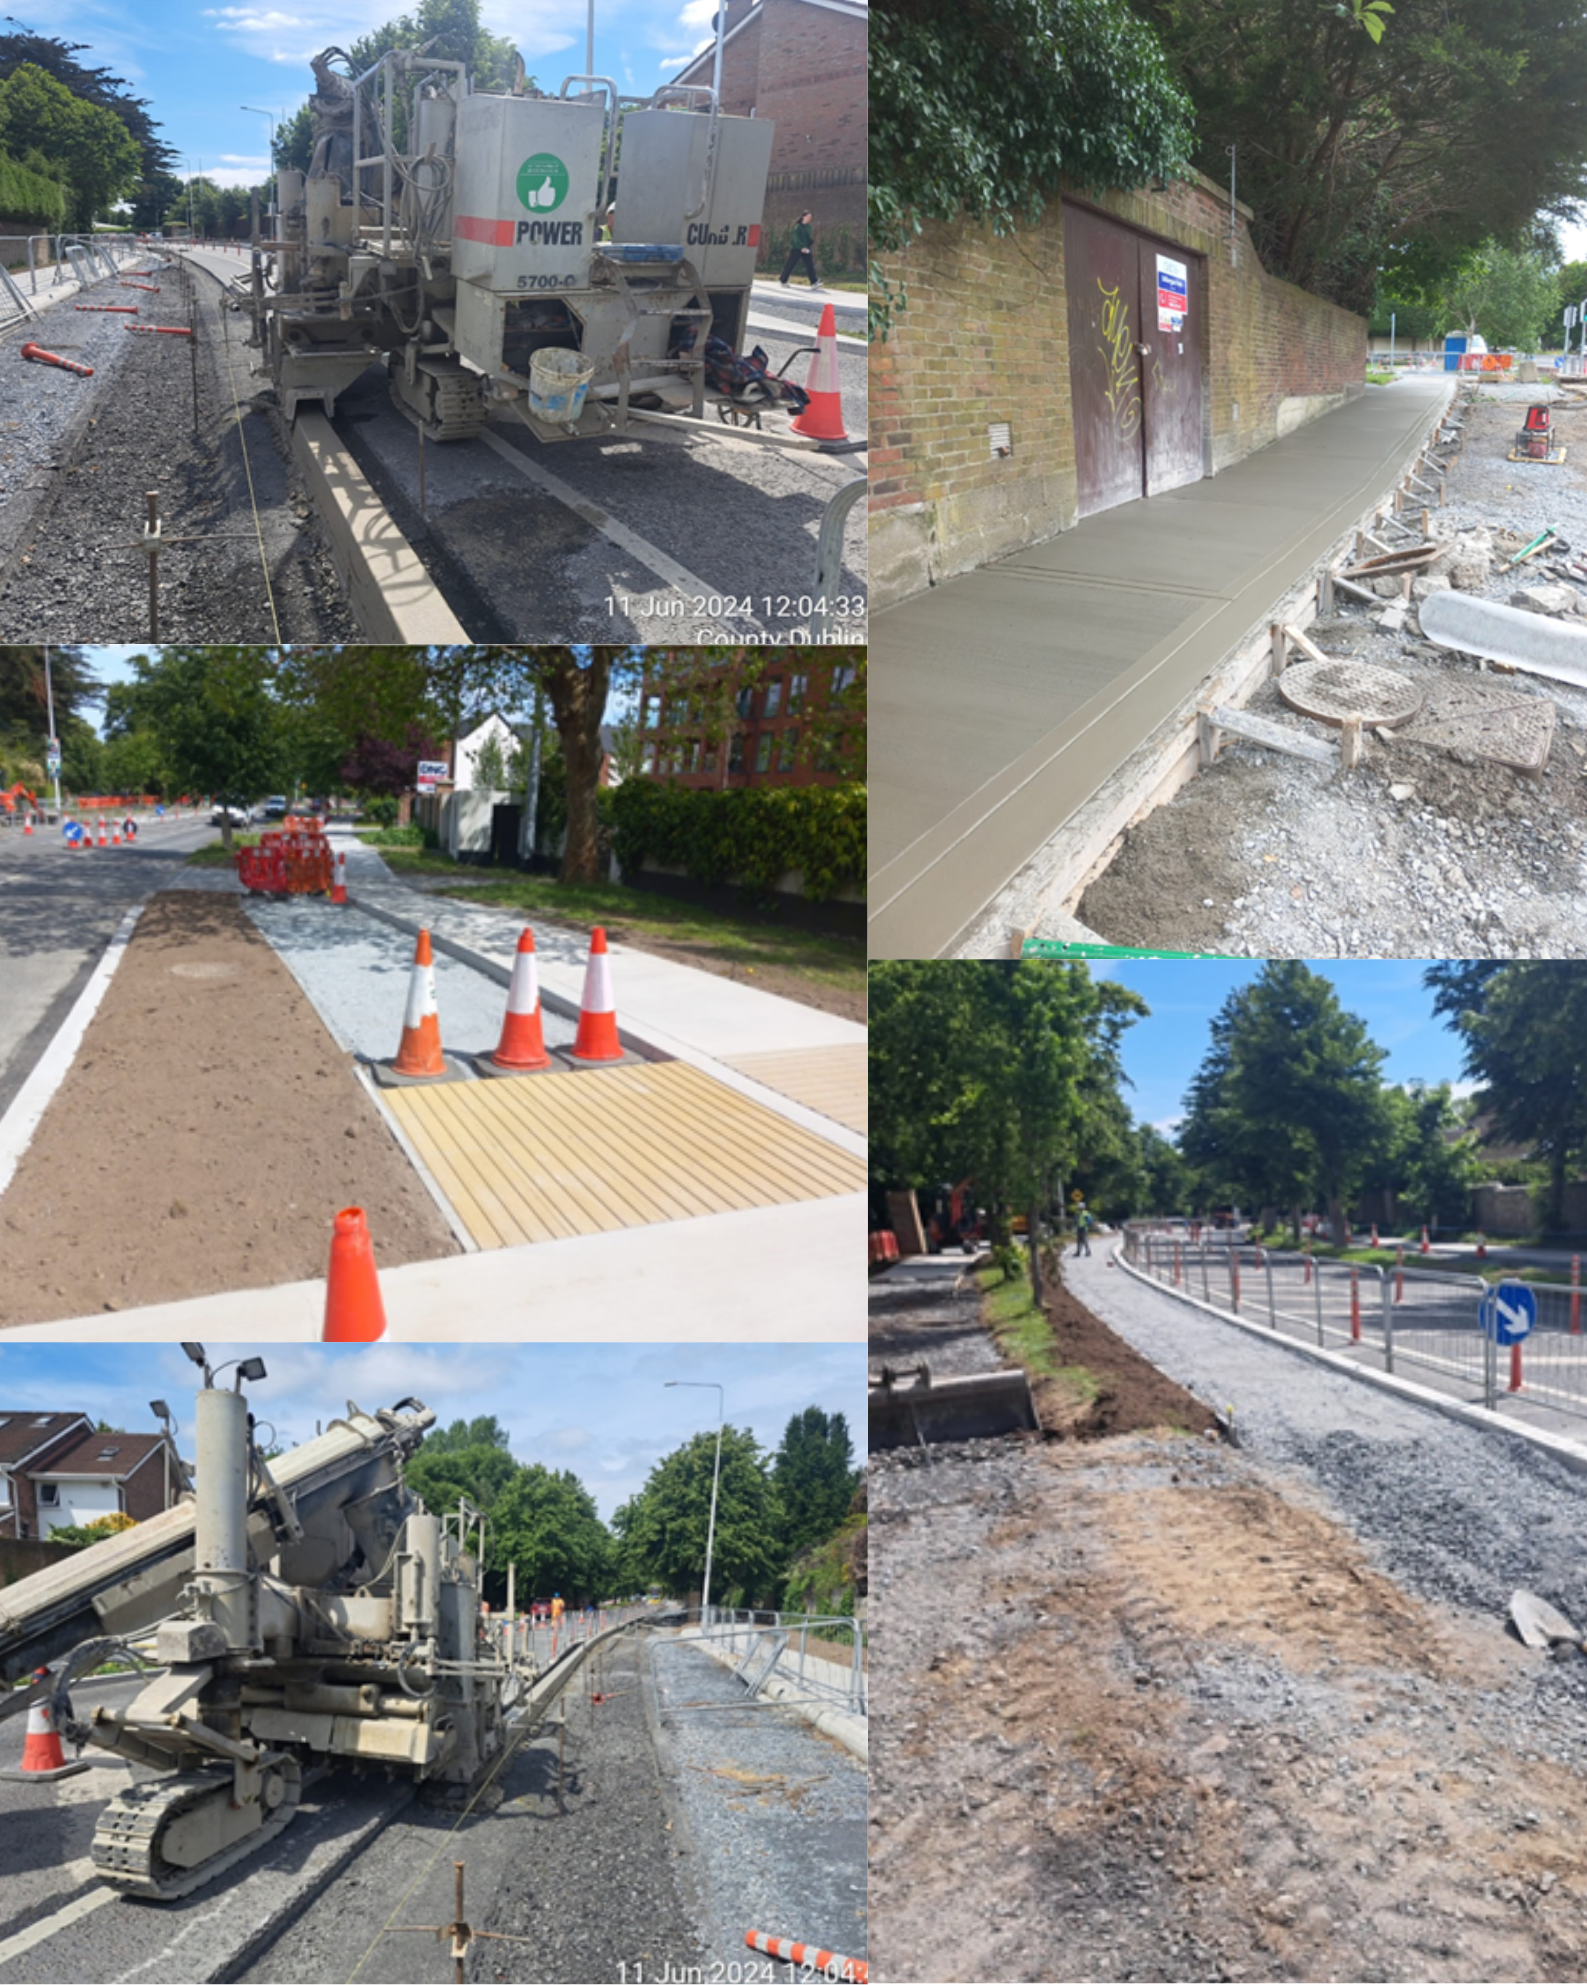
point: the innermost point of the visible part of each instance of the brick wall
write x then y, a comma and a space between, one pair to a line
21, 1558
804, 68
143, 1494
985, 339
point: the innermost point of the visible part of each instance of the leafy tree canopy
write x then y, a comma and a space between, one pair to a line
814, 1475
1464, 123
981, 107
662, 1530
97, 153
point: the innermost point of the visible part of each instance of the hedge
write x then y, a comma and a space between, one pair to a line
750, 835
29, 198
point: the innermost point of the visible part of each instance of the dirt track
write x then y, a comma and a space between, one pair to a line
1158, 1712
204, 1139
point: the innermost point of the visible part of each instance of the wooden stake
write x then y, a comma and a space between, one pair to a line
1351, 744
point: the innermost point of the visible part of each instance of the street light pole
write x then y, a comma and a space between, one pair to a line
257, 112
54, 747
709, 1385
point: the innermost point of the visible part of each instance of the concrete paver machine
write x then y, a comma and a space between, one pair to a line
306, 1612
487, 247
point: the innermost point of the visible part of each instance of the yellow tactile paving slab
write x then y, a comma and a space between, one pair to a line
542, 1157
831, 1080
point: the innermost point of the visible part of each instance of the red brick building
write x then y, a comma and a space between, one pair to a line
799, 722
802, 64
56, 1472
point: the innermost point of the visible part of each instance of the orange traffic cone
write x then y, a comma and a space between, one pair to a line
597, 1036
115, 837
822, 420
1424, 1248
43, 1756
27, 823
420, 1051
339, 886
522, 1045
354, 1311
102, 841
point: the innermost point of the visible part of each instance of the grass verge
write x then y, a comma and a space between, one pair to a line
215, 855
1025, 1337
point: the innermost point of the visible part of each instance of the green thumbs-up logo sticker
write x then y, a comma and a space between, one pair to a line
542, 183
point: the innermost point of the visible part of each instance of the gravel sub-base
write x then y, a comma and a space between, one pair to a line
1417, 853
71, 568
204, 1139
1172, 1711
774, 1813
571, 1896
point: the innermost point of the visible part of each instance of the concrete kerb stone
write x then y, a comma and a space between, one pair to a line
852, 1732
391, 594
1058, 874
1570, 1454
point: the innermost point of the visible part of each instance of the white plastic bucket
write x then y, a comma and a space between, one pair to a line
558, 382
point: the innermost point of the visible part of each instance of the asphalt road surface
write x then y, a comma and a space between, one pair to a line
58, 911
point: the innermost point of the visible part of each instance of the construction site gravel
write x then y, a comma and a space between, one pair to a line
205, 1137
1420, 851
1164, 1708
85, 451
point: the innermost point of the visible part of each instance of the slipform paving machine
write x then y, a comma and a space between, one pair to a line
307, 1612
583, 259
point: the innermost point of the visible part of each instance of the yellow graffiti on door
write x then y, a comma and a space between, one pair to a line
1118, 355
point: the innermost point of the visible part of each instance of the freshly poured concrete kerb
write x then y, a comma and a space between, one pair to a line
391, 594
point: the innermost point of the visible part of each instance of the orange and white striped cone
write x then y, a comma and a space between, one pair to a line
1426, 1247
822, 420
339, 885
811, 1958
419, 1053
102, 841
27, 823
597, 1036
43, 1755
522, 1045
115, 837
54, 358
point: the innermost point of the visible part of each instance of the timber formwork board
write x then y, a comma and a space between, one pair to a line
546, 1157
831, 1081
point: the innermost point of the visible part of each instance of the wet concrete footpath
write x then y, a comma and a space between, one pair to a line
1004, 698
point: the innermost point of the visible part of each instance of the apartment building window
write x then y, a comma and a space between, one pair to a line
798, 686
787, 751
744, 704
735, 753
763, 752
773, 699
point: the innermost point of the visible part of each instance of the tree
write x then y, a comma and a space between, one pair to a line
481, 1472
486, 1431
219, 729
662, 1529
1524, 1025
1465, 123
92, 144
546, 1524
814, 1475
94, 86
490, 766
1287, 1101
24, 705
1570, 287
1006, 1073
1508, 295
981, 107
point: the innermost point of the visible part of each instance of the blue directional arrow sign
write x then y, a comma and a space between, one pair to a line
1509, 1312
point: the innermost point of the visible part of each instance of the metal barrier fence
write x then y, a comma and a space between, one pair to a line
766, 1644
1400, 1317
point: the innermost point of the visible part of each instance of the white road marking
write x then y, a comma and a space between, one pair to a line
665, 568
51, 1926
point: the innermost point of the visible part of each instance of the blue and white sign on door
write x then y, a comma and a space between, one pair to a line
1509, 1312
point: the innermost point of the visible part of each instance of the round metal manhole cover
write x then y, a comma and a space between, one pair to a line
201, 970
1332, 691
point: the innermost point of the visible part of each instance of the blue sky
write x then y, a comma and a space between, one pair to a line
600, 1409
198, 64
1163, 1053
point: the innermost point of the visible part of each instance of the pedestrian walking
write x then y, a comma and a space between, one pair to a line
1083, 1231
801, 252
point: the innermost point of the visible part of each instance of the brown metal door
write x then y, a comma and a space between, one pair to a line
1103, 280
1171, 306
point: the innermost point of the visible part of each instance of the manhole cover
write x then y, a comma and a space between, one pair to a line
200, 970
1483, 720
1332, 691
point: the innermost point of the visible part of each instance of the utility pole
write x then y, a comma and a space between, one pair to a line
52, 756
531, 810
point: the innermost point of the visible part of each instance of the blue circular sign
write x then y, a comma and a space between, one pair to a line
1509, 1312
